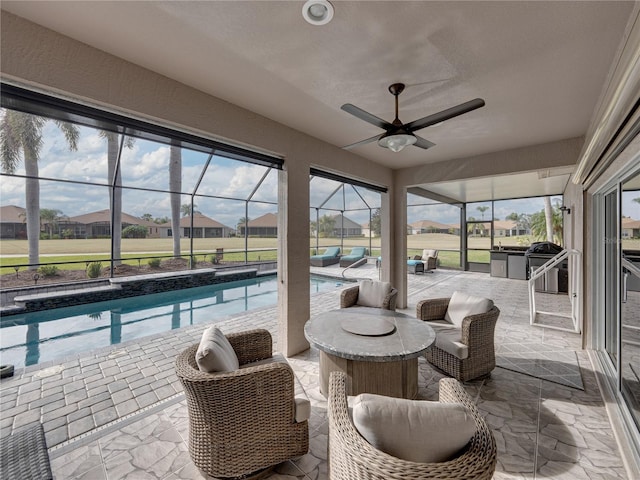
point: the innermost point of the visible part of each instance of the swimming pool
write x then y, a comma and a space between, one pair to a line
48, 335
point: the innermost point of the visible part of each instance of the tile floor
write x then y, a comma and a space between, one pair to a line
543, 429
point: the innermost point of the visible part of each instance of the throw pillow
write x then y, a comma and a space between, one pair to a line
414, 430
215, 353
372, 293
462, 305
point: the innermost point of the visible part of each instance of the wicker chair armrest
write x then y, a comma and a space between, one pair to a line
390, 300
478, 330
349, 296
251, 345
432, 309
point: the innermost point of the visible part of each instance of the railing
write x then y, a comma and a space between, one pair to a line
574, 290
357, 263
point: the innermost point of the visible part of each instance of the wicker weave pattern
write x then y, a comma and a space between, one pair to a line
351, 457
241, 421
477, 333
349, 298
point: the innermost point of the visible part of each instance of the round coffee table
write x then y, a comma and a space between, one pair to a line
383, 360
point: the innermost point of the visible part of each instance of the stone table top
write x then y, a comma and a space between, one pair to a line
410, 338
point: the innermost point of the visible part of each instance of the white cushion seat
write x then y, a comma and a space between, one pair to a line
215, 353
372, 293
413, 430
449, 339
463, 305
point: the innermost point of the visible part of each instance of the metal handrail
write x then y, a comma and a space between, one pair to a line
357, 263
575, 290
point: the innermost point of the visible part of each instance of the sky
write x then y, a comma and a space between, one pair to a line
146, 165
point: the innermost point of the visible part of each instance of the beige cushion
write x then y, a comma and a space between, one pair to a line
215, 353
414, 430
301, 401
449, 339
462, 305
429, 253
372, 293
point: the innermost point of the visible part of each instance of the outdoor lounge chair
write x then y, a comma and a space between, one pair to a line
244, 421
464, 326
330, 256
352, 457
357, 253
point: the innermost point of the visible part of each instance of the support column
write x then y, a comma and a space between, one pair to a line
398, 274
293, 257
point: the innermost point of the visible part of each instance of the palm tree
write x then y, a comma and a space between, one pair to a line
175, 187
548, 215
21, 133
242, 222
482, 209
115, 192
327, 225
185, 209
538, 224
50, 217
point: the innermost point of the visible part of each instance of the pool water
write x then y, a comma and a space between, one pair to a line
48, 335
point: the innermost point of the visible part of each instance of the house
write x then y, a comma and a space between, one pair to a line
263, 226
203, 227
428, 226
98, 224
559, 82
345, 227
12, 223
508, 228
630, 228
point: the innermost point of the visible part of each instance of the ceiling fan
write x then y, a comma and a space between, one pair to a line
399, 135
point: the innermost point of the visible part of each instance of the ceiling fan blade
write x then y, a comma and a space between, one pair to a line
445, 114
366, 116
362, 142
422, 143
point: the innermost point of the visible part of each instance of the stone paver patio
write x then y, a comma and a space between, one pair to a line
120, 412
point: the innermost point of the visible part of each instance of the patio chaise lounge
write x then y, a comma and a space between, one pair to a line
357, 253
330, 256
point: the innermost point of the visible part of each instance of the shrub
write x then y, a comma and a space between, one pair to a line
134, 231
94, 269
44, 236
154, 262
48, 270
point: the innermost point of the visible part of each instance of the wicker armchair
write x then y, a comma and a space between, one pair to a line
477, 333
349, 298
241, 423
351, 457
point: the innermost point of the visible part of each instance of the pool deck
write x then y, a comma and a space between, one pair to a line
120, 412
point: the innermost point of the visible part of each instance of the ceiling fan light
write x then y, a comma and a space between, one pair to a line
317, 12
397, 142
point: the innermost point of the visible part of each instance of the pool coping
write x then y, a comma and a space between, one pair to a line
124, 287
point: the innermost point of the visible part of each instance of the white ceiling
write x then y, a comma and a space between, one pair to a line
540, 66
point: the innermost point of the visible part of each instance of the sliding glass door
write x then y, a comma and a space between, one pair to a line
630, 296
621, 289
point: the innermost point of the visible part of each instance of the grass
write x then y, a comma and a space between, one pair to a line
61, 252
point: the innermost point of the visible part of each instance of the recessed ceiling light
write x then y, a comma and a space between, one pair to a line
317, 12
